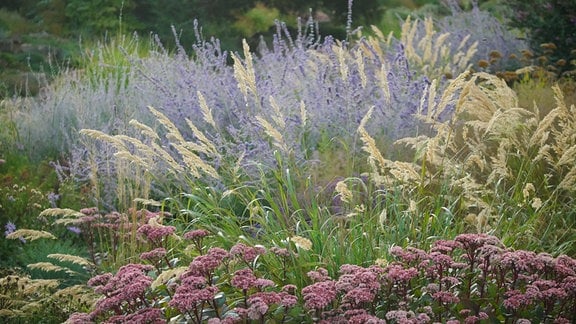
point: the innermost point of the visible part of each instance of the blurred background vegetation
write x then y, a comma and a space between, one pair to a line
40, 37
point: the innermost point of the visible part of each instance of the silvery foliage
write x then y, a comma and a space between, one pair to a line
304, 70
490, 33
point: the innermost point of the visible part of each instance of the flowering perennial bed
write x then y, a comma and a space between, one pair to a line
469, 279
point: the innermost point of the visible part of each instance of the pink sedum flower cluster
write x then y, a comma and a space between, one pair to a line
470, 279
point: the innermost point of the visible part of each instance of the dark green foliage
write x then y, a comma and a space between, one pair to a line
547, 21
99, 17
37, 251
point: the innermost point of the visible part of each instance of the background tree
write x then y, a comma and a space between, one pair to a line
545, 22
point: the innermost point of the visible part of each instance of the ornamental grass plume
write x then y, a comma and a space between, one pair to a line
24, 299
483, 159
29, 235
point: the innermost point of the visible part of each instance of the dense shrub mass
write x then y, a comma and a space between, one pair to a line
550, 28
424, 177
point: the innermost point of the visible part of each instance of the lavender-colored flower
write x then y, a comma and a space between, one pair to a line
11, 228
53, 198
74, 229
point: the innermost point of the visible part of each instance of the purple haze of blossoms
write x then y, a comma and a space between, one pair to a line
74, 229
11, 228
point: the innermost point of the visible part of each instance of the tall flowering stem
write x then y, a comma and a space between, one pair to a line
156, 233
125, 292
197, 237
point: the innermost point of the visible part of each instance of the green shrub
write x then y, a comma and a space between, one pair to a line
550, 28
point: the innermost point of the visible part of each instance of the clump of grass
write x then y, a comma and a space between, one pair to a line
25, 299
503, 166
51, 286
